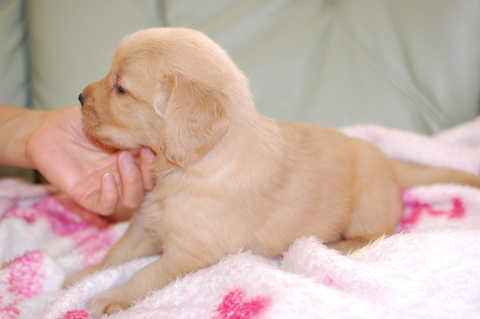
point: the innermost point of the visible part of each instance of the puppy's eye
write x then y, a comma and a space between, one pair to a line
121, 89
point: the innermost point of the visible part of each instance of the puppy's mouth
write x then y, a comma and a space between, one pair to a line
93, 127
103, 134
106, 132
90, 121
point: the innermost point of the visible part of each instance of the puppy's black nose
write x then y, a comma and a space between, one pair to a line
81, 99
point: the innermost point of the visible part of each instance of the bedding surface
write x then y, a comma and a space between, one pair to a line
429, 269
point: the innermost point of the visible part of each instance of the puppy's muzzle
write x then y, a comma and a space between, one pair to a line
81, 99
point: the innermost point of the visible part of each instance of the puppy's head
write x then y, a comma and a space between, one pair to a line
170, 89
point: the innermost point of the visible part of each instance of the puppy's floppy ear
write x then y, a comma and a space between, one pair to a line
194, 119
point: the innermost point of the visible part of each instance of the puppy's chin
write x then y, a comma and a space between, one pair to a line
113, 137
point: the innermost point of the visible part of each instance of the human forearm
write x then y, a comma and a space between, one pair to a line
99, 178
16, 126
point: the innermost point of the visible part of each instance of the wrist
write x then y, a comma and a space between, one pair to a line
16, 130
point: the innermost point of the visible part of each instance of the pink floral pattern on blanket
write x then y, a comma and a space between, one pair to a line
235, 305
85, 235
22, 279
415, 209
62, 221
77, 314
81, 239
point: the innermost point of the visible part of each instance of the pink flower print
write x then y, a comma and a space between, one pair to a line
235, 306
77, 314
27, 274
19, 280
328, 281
414, 209
63, 221
92, 245
9, 313
29, 214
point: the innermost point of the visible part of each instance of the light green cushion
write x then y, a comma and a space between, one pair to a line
403, 64
72, 43
14, 77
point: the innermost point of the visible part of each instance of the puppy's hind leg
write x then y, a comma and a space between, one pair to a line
365, 229
378, 208
135, 243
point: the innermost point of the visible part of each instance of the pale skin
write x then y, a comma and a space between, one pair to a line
104, 180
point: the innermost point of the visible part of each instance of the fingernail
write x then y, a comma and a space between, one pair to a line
109, 180
127, 160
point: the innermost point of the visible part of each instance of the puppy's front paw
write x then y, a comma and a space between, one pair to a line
109, 302
78, 276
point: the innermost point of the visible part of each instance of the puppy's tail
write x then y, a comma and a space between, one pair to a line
410, 175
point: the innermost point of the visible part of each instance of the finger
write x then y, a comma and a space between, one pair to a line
108, 195
132, 185
147, 159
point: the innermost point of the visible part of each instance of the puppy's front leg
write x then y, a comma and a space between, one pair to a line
135, 243
150, 278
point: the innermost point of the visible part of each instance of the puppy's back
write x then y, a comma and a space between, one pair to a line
329, 180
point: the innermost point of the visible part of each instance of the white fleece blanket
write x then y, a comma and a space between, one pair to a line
430, 269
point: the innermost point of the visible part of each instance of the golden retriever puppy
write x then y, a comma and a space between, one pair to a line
227, 178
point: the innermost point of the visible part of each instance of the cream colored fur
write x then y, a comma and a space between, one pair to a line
227, 178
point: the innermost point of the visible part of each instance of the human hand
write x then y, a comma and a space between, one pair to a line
101, 179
